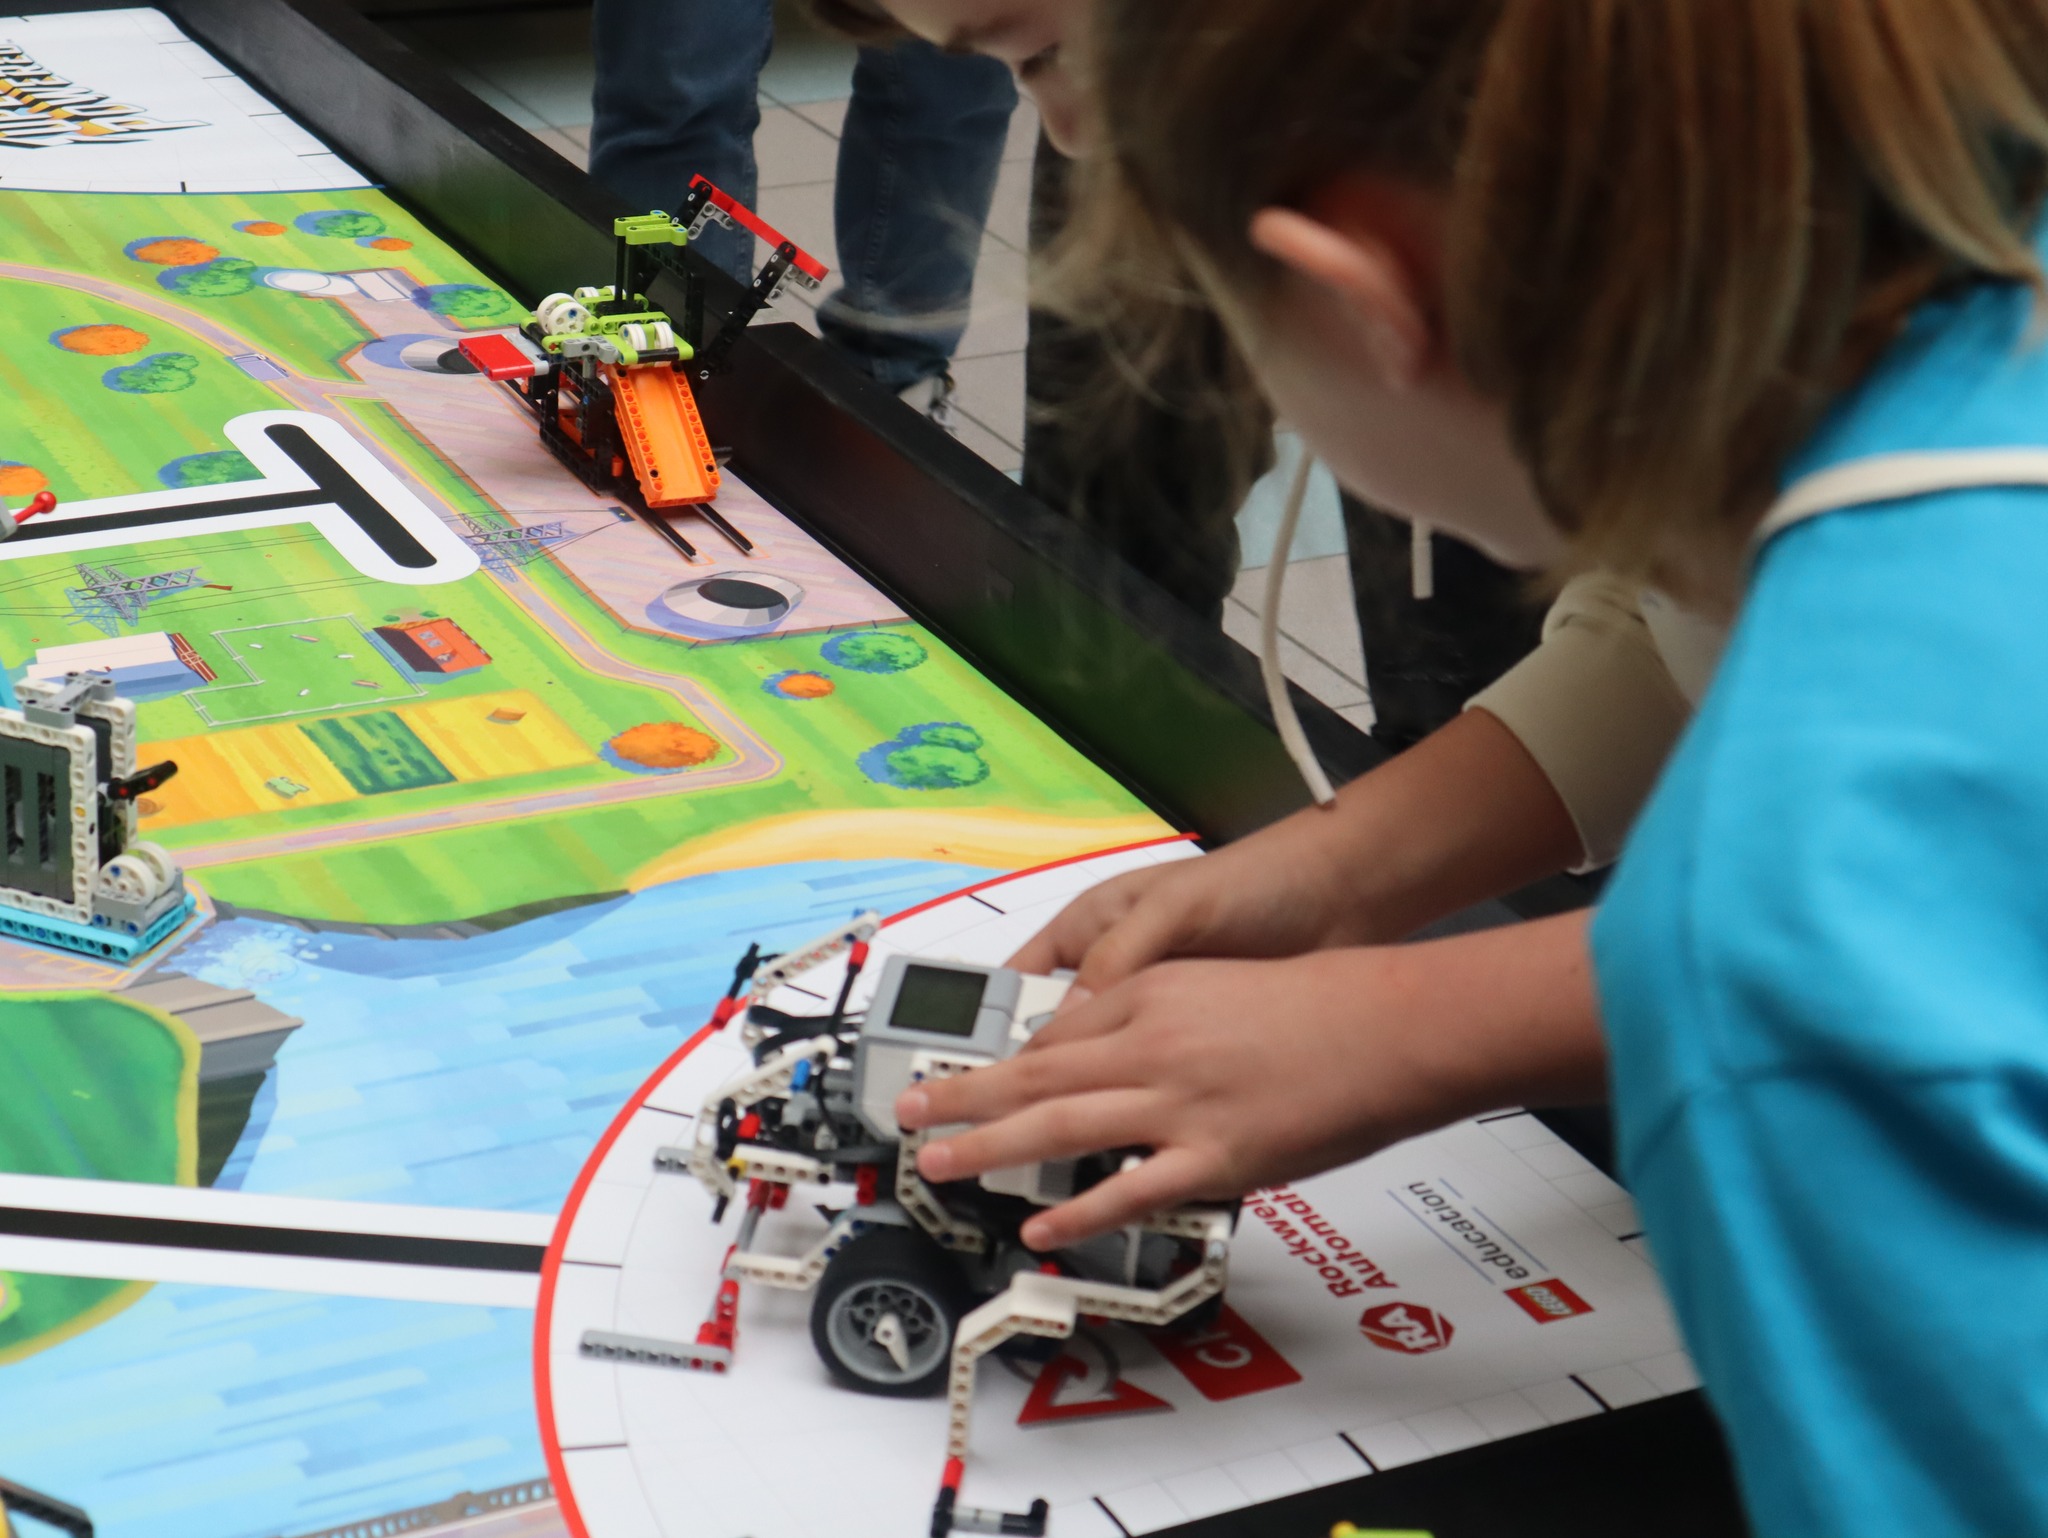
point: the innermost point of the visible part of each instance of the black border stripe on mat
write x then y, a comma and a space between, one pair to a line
253, 1239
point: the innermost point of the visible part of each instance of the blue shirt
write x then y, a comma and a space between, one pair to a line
1823, 967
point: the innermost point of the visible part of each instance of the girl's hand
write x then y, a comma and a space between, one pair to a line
1464, 816
1247, 900
1237, 1075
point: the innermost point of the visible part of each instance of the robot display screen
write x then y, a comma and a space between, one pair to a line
939, 1000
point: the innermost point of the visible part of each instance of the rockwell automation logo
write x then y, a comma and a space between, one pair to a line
40, 109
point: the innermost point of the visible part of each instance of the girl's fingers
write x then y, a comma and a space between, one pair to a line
1083, 1017
1065, 941
1064, 1128
1165, 1180
1151, 932
1003, 1088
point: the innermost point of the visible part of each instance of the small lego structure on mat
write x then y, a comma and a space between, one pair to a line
912, 1284
607, 375
72, 873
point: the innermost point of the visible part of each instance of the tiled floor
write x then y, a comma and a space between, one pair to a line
535, 67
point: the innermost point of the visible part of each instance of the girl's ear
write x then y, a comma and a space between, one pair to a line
1365, 276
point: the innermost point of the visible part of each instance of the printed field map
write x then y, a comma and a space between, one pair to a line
483, 788
493, 839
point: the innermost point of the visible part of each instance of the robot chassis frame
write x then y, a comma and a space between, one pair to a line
734, 1147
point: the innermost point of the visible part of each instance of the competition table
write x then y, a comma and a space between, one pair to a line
1171, 708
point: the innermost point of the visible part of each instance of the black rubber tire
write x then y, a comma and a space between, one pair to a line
908, 1262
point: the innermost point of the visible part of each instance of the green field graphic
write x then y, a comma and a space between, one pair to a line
299, 667
377, 753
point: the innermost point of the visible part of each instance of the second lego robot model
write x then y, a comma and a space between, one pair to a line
607, 374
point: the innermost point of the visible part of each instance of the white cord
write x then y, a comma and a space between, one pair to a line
1421, 561
1284, 716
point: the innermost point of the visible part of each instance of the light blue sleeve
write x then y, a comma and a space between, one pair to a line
1865, 1277
1824, 967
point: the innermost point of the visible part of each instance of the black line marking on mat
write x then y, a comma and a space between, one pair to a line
977, 897
1603, 1404
1624, 1238
1499, 1116
1104, 1507
331, 485
1345, 1438
252, 1239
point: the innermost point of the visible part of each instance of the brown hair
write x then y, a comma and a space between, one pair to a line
1677, 228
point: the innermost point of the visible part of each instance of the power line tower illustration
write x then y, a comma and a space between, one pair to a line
504, 551
107, 598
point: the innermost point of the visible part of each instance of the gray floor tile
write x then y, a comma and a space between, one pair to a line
555, 87
1023, 141
807, 65
828, 115
992, 392
1299, 664
565, 144
1316, 609
1006, 457
804, 214
996, 328
491, 96
1000, 322
1009, 217
792, 150
1322, 520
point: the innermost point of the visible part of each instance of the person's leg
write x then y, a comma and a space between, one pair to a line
676, 98
1425, 657
918, 160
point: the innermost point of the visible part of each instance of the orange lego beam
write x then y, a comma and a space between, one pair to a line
664, 436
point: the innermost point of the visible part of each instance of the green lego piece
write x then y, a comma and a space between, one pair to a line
655, 229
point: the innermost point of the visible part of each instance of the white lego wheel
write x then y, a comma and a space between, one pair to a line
562, 315
141, 874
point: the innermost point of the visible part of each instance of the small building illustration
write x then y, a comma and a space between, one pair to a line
141, 665
434, 646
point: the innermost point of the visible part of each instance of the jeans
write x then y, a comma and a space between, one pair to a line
676, 96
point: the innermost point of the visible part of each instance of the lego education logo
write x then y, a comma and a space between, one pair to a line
40, 109
1548, 1302
1468, 1232
1408, 1328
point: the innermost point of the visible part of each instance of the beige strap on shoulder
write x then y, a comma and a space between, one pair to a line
1893, 477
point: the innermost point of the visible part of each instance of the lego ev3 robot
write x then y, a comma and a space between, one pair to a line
911, 1283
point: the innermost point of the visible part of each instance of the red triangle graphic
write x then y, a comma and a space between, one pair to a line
1122, 1397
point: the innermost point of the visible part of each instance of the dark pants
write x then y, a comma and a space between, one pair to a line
677, 96
1424, 658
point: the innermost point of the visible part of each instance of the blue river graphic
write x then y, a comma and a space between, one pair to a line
464, 1073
